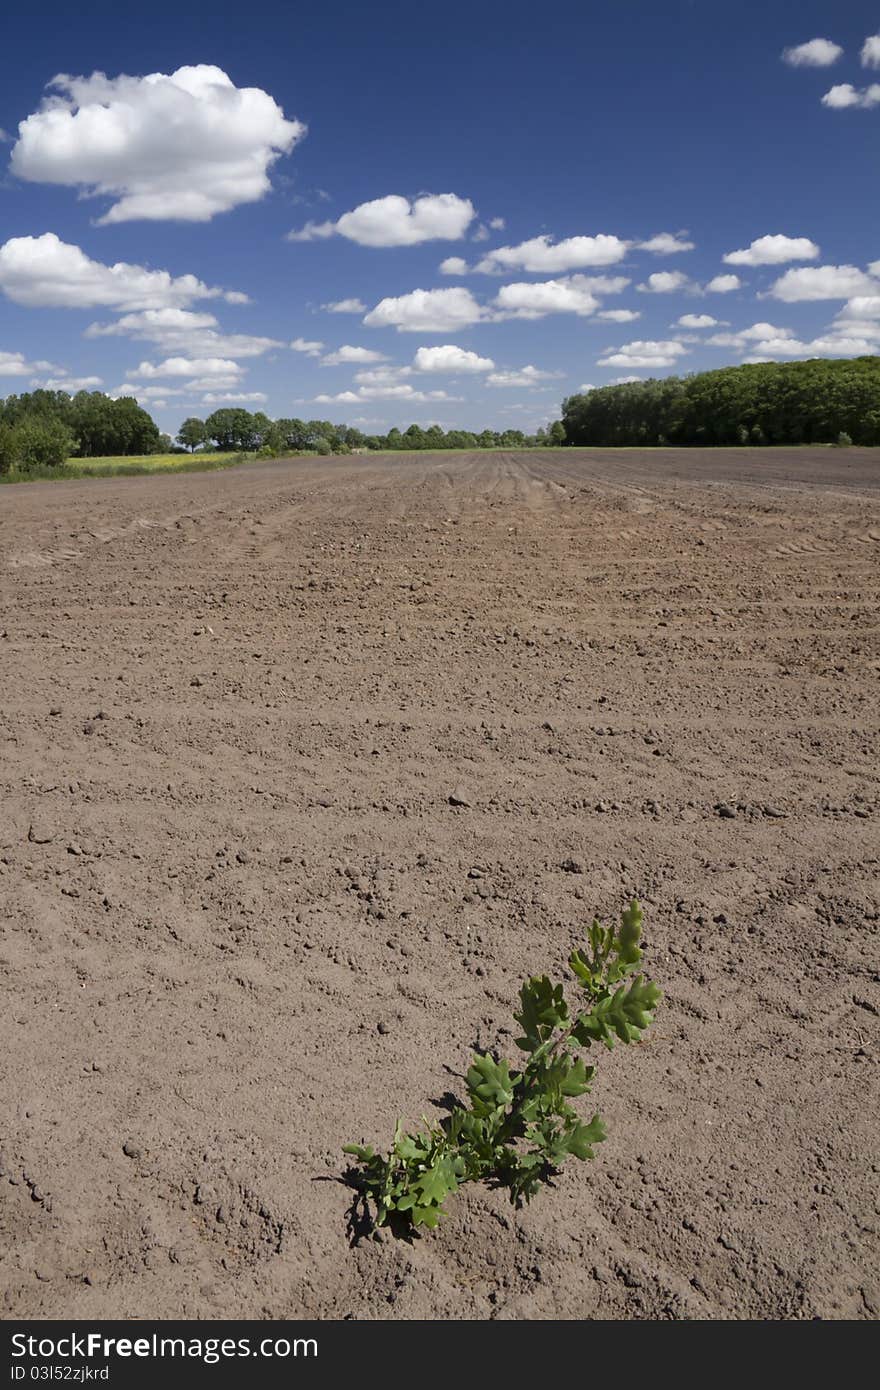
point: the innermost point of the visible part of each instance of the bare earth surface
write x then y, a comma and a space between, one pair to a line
243, 924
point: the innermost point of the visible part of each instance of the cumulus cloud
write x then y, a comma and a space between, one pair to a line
188, 366
345, 306
182, 146
389, 392
573, 294
382, 376
826, 345
817, 53
822, 282
148, 395
862, 306
311, 349
70, 384
522, 376
497, 224
619, 315
666, 244
451, 359
16, 364
697, 321
845, 94
664, 282
397, 221
44, 271
541, 253
454, 265
644, 353
240, 397
348, 354
313, 231
426, 311
724, 284
870, 54
184, 331
745, 337
774, 250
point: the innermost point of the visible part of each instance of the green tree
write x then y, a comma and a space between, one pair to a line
40, 442
231, 428
192, 433
557, 433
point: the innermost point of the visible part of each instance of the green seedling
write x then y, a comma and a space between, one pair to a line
518, 1127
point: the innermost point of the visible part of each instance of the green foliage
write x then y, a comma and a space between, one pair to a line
811, 402
518, 1127
843, 440
192, 433
94, 424
33, 443
7, 448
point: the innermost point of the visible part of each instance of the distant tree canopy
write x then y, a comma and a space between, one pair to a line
812, 402
93, 424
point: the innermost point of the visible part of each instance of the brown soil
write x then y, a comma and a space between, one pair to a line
243, 924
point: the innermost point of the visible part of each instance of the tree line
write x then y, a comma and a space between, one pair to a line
810, 402
42, 429
239, 429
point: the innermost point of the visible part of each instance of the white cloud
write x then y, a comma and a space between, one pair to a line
71, 384
523, 376
454, 265
348, 354
817, 53
384, 393
861, 306
827, 345
452, 359
311, 349
774, 250
397, 221
45, 271
426, 311
822, 282
180, 147
744, 337
183, 331
541, 253
345, 306
240, 397
664, 282
497, 224
586, 388
382, 376
574, 294
644, 353
148, 394
16, 364
697, 321
313, 231
870, 54
666, 244
187, 366
619, 315
845, 94
624, 380
724, 284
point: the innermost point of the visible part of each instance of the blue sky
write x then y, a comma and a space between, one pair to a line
539, 154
